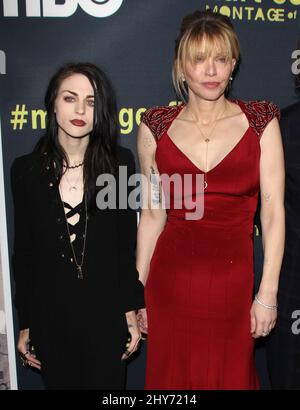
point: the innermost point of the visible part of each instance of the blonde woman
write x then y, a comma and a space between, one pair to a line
198, 272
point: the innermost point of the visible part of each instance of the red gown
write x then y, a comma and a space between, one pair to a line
199, 290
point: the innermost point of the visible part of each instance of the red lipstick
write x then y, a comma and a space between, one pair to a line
78, 123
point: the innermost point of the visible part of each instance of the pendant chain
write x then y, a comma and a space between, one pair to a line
78, 265
74, 186
207, 140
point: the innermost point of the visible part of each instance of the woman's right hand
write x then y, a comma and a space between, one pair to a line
28, 358
142, 320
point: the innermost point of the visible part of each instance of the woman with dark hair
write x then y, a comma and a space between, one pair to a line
197, 261
77, 288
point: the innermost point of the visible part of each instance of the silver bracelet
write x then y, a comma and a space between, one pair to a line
264, 305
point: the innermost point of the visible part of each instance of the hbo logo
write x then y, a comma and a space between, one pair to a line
95, 8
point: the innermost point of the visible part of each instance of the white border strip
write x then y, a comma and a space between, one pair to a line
6, 279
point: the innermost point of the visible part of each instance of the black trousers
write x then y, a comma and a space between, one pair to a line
283, 356
84, 376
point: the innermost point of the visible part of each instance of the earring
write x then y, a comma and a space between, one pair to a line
183, 77
229, 84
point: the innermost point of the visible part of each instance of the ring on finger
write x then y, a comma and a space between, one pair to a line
24, 361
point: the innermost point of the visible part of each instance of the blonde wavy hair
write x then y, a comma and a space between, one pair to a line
206, 32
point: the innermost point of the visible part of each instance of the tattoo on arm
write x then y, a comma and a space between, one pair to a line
155, 184
266, 197
147, 141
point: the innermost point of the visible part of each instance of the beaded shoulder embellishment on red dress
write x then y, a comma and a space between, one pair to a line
259, 114
158, 119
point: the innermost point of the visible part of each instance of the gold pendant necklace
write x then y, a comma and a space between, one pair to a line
207, 140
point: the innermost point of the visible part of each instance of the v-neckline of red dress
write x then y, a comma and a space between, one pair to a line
240, 104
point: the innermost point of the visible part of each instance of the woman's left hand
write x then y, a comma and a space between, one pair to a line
135, 333
263, 319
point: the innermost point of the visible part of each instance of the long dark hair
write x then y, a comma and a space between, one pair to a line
101, 152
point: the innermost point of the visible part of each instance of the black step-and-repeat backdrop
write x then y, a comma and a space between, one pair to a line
133, 40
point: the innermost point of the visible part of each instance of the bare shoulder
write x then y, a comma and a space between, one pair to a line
146, 145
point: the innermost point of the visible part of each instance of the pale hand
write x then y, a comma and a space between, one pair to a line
135, 334
28, 358
142, 320
263, 320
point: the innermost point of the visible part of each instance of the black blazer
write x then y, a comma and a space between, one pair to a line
49, 298
289, 289
283, 346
